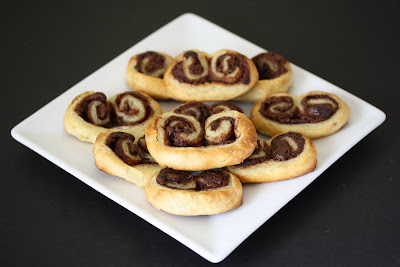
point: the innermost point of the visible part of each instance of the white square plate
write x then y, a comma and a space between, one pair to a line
213, 237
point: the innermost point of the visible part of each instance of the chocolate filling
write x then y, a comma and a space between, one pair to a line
105, 109
155, 62
130, 110
115, 142
195, 68
196, 109
279, 150
226, 138
83, 108
219, 107
205, 181
286, 113
270, 65
177, 128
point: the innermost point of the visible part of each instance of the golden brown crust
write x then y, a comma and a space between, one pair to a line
312, 129
150, 83
265, 88
271, 170
202, 157
75, 125
217, 88
107, 161
194, 202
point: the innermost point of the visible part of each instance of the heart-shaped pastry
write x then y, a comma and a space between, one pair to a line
90, 114
314, 114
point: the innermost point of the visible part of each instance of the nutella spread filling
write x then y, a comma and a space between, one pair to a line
94, 109
283, 147
270, 65
234, 68
150, 63
181, 132
226, 135
219, 107
132, 104
196, 71
129, 109
122, 144
187, 181
196, 109
230, 69
316, 108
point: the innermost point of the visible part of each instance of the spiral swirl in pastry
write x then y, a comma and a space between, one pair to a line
196, 109
145, 71
275, 76
119, 154
94, 109
151, 63
282, 157
131, 108
181, 142
90, 114
182, 193
314, 114
183, 131
196, 75
229, 68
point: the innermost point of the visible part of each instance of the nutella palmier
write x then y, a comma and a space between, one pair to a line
91, 113
275, 76
145, 72
121, 154
197, 76
182, 193
314, 114
284, 156
183, 141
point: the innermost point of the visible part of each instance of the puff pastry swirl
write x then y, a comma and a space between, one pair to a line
197, 76
145, 71
123, 155
282, 157
90, 114
197, 142
314, 114
275, 76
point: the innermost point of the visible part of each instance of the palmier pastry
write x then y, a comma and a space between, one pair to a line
282, 157
196, 75
120, 154
314, 114
193, 142
182, 193
90, 114
145, 71
275, 77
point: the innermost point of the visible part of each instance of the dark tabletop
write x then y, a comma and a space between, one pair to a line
349, 216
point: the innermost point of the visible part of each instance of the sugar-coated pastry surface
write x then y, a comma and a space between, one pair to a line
196, 137
275, 76
90, 114
182, 193
284, 156
314, 114
197, 76
145, 72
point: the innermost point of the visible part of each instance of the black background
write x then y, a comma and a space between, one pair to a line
349, 216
